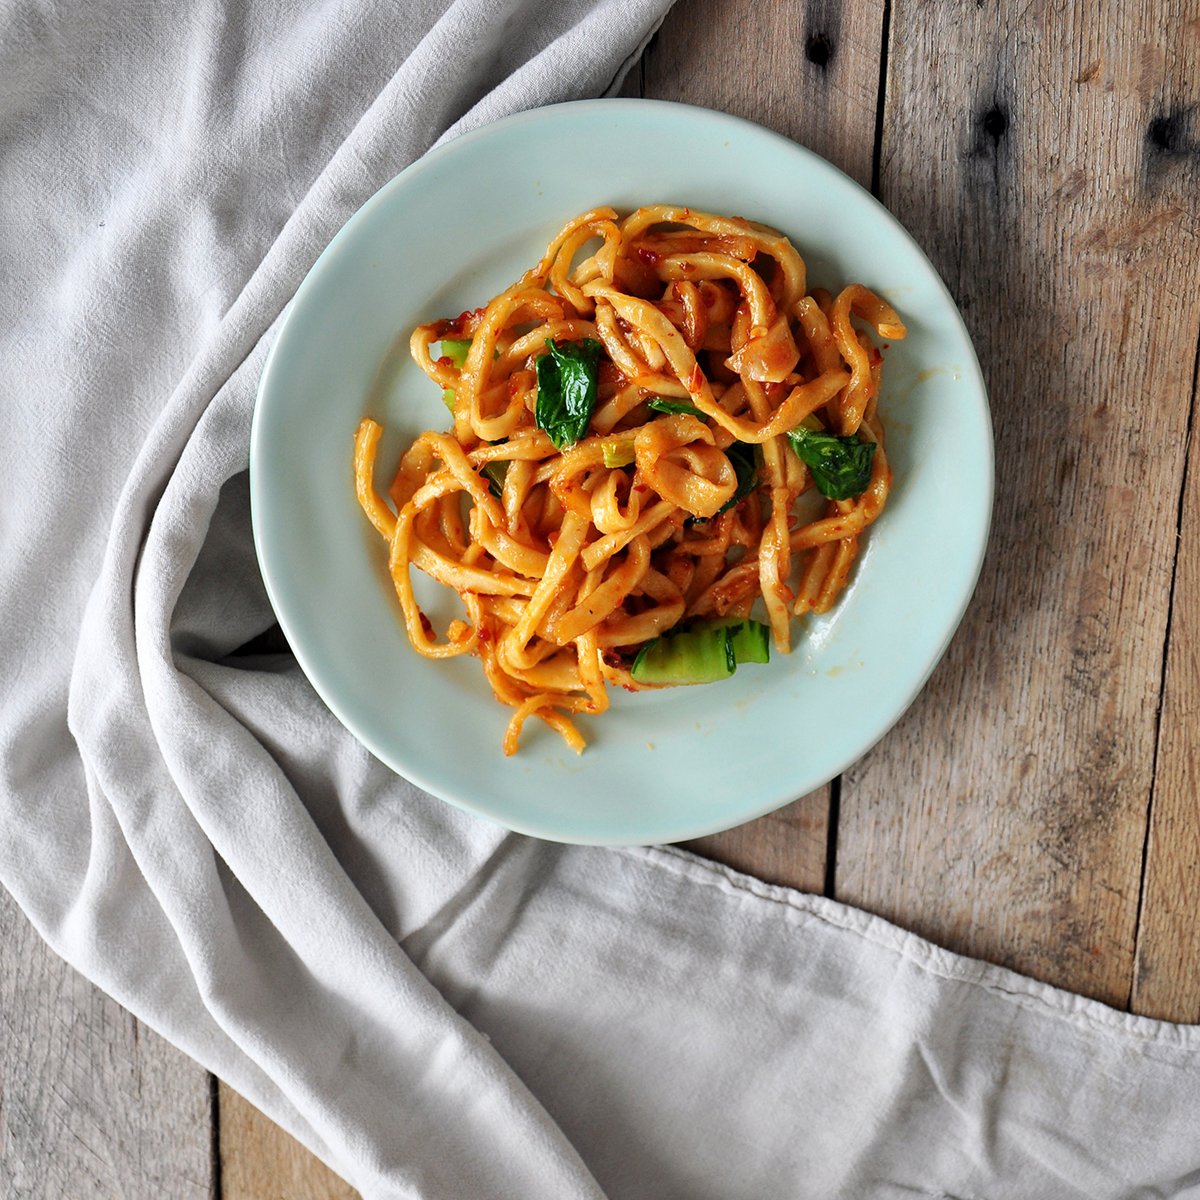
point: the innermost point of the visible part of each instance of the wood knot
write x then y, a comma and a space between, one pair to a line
1171, 145
995, 123
818, 49
1167, 134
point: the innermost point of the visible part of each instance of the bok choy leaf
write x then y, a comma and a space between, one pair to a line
566, 390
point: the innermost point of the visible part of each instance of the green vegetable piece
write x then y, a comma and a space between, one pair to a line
617, 451
566, 390
456, 349
495, 472
663, 404
704, 652
840, 466
701, 654
751, 642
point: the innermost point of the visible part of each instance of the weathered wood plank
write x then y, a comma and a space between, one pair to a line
1029, 148
259, 1161
1167, 982
810, 72
93, 1105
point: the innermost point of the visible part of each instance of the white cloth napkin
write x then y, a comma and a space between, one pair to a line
438, 1008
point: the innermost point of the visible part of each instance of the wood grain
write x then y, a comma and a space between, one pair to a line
1166, 983
93, 1105
259, 1161
810, 72
1005, 817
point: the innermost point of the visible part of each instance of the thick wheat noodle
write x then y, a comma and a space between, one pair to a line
860, 390
575, 557
801, 402
664, 614
604, 598
605, 547
607, 514
837, 575
812, 580
559, 271
538, 274
514, 643
769, 241
774, 550
725, 266
366, 446
615, 342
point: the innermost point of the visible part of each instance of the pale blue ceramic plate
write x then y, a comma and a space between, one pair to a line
447, 234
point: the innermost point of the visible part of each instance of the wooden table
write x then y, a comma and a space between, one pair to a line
1037, 806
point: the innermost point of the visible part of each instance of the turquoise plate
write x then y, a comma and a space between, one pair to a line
447, 234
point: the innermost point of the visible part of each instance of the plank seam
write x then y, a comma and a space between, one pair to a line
881, 97
832, 820
214, 1100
